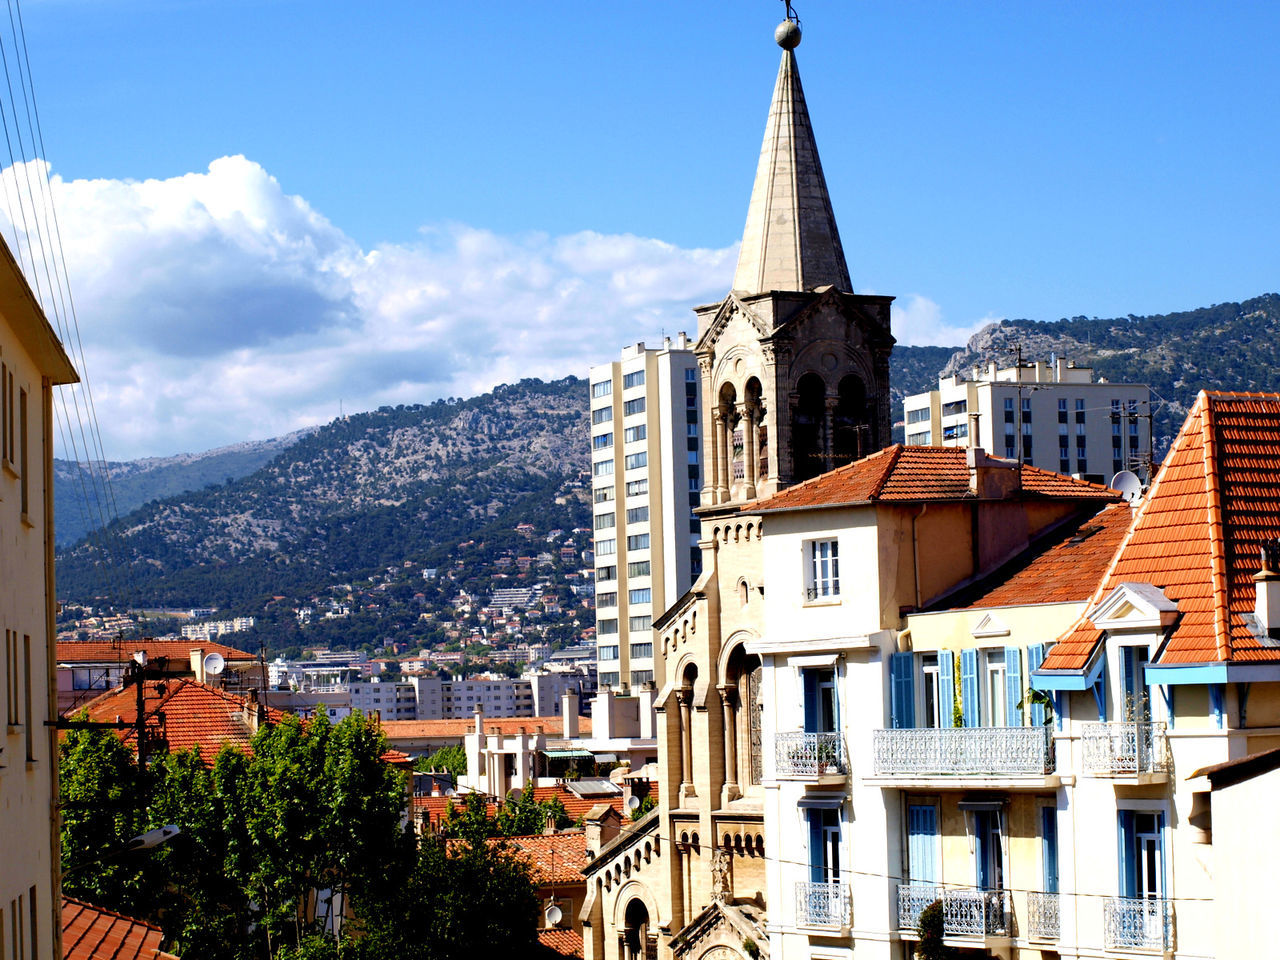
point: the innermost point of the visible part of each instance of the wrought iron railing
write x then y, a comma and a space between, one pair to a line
963, 751
1043, 918
966, 911
1126, 748
1137, 924
823, 905
799, 754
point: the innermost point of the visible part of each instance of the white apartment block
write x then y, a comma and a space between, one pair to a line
216, 628
536, 694
391, 699
1051, 415
646, 481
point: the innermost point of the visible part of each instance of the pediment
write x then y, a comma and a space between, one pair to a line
989, 626
718, 933
1134, 606
830, 300
732, 308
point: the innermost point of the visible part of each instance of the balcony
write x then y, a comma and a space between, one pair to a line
967, 912
809, 756
1137, 750
823, 905
1043, 919
977, 754
1138, 924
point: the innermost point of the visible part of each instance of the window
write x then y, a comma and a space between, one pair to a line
607, 627
602, 468
691, 430
600, 415
918, 439
936, 695
638, 541
604, 521
638, 569
993, 693
955, 408
640, 651
635, 379
1008, 409
641, 595
991, 685
956, 431
634, 461
923, 842
1026, 448
1009, 450
601, 440
915, 416
601, 388
632, 434
606, 573
1133, 428
691, 375
824, 569
1080, 410
1062, 410
1142, 854
821, 714
12, 713
608, 679
611, 652
636, 488
988, 849
633, 406
640, 623
640, 677
1064, 466
1049, 848
605, 548
1026, 428
22, 436
824, 845
638, 515
604, 494
1080, 428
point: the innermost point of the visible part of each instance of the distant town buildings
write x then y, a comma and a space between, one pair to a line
1055, 416
646, 477
212, 629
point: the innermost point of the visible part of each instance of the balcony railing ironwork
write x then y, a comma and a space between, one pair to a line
1124, 748
823, 905
1043, 918
800, 754
966, 911
1131, 923
964, 751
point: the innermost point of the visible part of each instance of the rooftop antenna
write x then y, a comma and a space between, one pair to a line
791, 13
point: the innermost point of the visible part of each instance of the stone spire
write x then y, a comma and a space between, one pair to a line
790, 241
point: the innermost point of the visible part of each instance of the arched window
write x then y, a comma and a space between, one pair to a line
807, 454
637, 942
852, 427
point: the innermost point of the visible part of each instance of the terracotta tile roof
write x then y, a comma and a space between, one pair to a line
556, 857
460, 726
912, 474
107, 651
1197, 533
567, 943
187, 714
1065, 569
432, 809
92, 933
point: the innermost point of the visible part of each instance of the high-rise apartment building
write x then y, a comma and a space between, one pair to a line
645, 483
1051, 415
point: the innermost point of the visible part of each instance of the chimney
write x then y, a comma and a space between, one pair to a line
569, 713
479, 719
991, 478
601, 824
1266, 585
197, 664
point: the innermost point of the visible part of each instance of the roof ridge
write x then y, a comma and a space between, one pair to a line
895, 455
112, 913
1214, 522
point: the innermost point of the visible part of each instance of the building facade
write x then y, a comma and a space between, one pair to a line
32, 363
1052, 415
646, 477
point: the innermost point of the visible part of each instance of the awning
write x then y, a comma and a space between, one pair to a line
821, 801
568, 754
606, 757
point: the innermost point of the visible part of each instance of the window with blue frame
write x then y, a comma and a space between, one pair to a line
824, 845
821, 710
923, 842
988, 850
922, 687
1141, 835
1049, 849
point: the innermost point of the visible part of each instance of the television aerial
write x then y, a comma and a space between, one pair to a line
1130, 487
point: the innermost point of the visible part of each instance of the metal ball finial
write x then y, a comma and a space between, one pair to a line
787, 35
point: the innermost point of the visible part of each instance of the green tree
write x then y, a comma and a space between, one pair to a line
452, 758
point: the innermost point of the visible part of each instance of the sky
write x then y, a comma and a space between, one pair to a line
272, 211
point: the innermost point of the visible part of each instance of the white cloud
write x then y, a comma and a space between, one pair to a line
214, 307
919, 321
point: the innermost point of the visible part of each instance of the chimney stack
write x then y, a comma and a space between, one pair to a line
569, 713
1266, 585
991, 478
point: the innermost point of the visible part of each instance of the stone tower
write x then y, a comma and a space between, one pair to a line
794, 365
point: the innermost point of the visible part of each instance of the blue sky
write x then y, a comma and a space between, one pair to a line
570, 177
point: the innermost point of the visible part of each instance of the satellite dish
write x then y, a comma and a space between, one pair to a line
214, 664
554, 915
633, 803
1127, 482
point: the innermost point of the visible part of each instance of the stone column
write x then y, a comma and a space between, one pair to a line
718, 455
829, 433
685, 698
746, 417
729, 702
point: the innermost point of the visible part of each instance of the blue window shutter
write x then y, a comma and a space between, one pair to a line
810, 678
1128, 866
1217, 703
969, 703
1012, 686
947, 688
1035, 657
902, 698
817, 858
922, 843
1049, 840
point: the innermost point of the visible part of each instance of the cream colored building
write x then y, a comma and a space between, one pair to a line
32, 363
1051, 415
646, 477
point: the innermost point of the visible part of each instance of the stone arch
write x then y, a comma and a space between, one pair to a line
808, 419
854, 424
741, 676
632, 891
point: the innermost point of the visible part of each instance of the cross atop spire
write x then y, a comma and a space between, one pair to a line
790, 241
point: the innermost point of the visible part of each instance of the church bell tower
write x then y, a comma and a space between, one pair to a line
794, 365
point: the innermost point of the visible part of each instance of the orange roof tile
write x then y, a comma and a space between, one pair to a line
460, 726
567, 943
432, 809
1197, 533
912, 474
186, 714
1066, 569
92, 933
556, 857
107, 651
